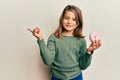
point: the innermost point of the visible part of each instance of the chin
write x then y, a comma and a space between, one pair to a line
69, 29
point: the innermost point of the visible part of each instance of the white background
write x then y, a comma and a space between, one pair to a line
19, 52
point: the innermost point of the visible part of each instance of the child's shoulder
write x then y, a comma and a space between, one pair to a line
82, 40
51, 36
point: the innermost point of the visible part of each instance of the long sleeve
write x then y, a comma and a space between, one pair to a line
85, 58
47, 51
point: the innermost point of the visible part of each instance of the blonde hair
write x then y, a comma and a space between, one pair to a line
78, 16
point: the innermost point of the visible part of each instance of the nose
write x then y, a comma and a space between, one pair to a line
69, 21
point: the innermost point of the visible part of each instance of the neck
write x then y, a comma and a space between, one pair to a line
67, 33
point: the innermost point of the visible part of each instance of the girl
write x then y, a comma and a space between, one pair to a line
66, 51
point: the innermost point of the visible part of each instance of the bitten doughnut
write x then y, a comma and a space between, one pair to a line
94, 36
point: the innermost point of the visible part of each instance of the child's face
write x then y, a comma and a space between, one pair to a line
69, 21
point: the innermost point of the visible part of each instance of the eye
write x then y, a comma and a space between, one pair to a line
74, 19
66, 18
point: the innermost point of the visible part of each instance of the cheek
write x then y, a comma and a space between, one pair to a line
75, 27
64, 22
75, 24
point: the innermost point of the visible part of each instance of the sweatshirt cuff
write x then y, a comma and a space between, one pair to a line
89, 54
40, 42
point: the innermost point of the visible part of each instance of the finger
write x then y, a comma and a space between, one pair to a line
95, 45
37, 28
36, 31
99, 43
30, 30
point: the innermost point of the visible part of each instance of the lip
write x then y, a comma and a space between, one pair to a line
68, 26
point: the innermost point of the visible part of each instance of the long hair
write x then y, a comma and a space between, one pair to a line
78, 16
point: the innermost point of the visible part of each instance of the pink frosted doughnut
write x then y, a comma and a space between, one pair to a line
94, 36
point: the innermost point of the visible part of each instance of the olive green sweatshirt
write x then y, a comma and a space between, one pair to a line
66, 56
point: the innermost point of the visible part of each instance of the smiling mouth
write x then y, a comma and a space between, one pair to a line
68, 26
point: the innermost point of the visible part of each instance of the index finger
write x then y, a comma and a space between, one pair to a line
29, 29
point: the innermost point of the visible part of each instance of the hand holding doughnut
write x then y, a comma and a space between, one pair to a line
95, 42
94, 36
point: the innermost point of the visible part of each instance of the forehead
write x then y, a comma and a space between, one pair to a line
69, 14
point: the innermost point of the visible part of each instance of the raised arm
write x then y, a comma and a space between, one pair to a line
47, 51
85, 58
86, 53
